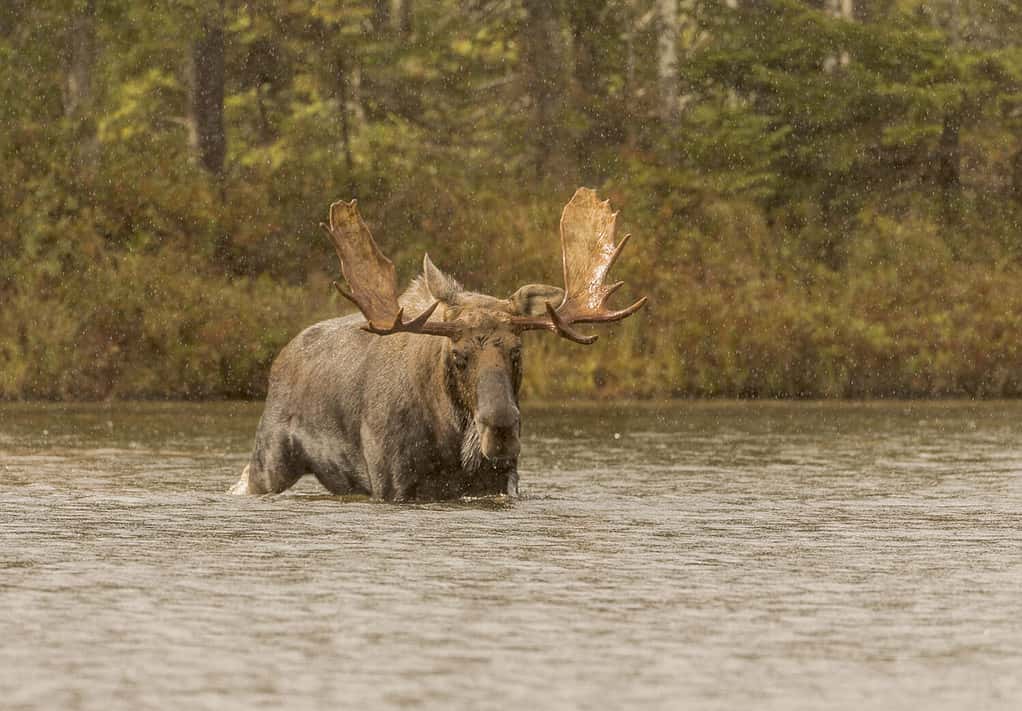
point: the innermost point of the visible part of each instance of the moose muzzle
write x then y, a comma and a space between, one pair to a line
497, 417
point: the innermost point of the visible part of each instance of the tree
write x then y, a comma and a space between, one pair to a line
667, 58
542, 59
209, 138
381, 16
844, 9
79, 94
586, 19
403, 13
949, 155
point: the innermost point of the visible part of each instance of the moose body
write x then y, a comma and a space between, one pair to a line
424, 409
384, 417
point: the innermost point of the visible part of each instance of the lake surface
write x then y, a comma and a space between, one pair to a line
694, 555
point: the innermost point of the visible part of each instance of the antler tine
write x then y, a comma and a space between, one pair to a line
617, 250
588, 251
342, 292
372, 278
608, 316
417, 325
566, 330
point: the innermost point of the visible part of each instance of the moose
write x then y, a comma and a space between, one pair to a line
424, 408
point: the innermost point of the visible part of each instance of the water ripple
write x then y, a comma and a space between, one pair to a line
719, 556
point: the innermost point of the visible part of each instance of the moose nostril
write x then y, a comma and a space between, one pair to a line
500, 443
503, 433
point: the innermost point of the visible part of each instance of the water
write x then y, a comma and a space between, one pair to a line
720, 556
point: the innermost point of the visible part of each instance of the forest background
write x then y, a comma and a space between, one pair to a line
825, 196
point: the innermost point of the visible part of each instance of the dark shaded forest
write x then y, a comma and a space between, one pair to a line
825, 197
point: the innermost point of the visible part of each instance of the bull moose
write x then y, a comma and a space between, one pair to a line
424, 408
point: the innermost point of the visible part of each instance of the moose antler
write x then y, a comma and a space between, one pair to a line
588, 251
372, 278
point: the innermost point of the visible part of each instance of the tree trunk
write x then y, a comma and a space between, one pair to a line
629, 78
667, 59
403, 15
845, 10
381, 16
949, 160
1016, 177
208, 91
584, 18
79, 99
341, 89
541, 54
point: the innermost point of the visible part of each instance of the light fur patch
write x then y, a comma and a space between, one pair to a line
471, 449
241, 487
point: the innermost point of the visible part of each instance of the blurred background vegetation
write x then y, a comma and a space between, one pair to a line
825, 196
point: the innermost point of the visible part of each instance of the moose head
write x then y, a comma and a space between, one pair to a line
480, 361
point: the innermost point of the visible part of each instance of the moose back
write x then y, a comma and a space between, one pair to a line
424, 408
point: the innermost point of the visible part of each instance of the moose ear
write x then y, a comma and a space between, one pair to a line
441, 287
531, 299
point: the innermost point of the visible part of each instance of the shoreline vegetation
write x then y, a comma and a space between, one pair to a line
822, 207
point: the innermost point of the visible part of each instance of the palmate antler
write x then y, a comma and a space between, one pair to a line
372, 278
588, 251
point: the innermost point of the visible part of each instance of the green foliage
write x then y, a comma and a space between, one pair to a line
833, 213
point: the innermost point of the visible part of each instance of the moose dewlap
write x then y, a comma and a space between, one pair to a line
424, 407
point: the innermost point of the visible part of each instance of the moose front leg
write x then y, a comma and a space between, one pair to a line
511, 489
